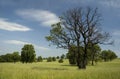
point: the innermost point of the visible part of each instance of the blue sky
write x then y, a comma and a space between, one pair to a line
29, 21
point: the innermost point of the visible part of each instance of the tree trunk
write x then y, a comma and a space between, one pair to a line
93, 59
92, 63
93, 55
81, 63
85, 57
84, 63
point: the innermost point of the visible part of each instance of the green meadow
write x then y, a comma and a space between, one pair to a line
55, 70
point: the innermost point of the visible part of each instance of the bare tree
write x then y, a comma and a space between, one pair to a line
78, 27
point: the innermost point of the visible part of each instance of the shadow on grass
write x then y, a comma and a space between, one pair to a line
48, 68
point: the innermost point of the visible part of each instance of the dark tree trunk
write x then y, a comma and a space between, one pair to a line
85, 57
93, 59
92, 62
80, 58
81, 63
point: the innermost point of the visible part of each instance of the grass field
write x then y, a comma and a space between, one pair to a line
55, 70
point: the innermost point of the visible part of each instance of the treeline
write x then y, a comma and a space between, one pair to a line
52, 59
15, 57
28, 55
10, 57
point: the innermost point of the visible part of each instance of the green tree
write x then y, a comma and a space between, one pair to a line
112, 55
28, 54
53, 59
62, 56
15, 56
72, 58
57, 57
8, 57
71, 55
93, 53
3, 58
108, 55
39, 59
105, 55
49, 59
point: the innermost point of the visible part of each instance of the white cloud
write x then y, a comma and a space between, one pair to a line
40, 47
111, 3
46, 18
12, 26
17, 42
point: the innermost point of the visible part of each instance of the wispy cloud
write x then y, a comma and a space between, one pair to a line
40, 50
111, 3
12, 26
17, 42
46, 18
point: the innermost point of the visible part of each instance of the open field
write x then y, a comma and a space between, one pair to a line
55, 70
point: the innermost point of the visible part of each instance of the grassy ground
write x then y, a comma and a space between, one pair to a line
55, 70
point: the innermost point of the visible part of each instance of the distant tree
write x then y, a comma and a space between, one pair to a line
57, 57
104, 55
39, 59
53, 59
49, 59
67, 55
44, 58
108, 55
8, 57
3, 58
60, 60
93, 53
28, 54
62, 56
15, 57
112, 55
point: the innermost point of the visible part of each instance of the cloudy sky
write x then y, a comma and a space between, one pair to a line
29, 21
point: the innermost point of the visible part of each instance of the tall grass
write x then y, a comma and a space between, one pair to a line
55, 70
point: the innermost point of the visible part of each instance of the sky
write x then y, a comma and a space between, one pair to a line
29, 21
